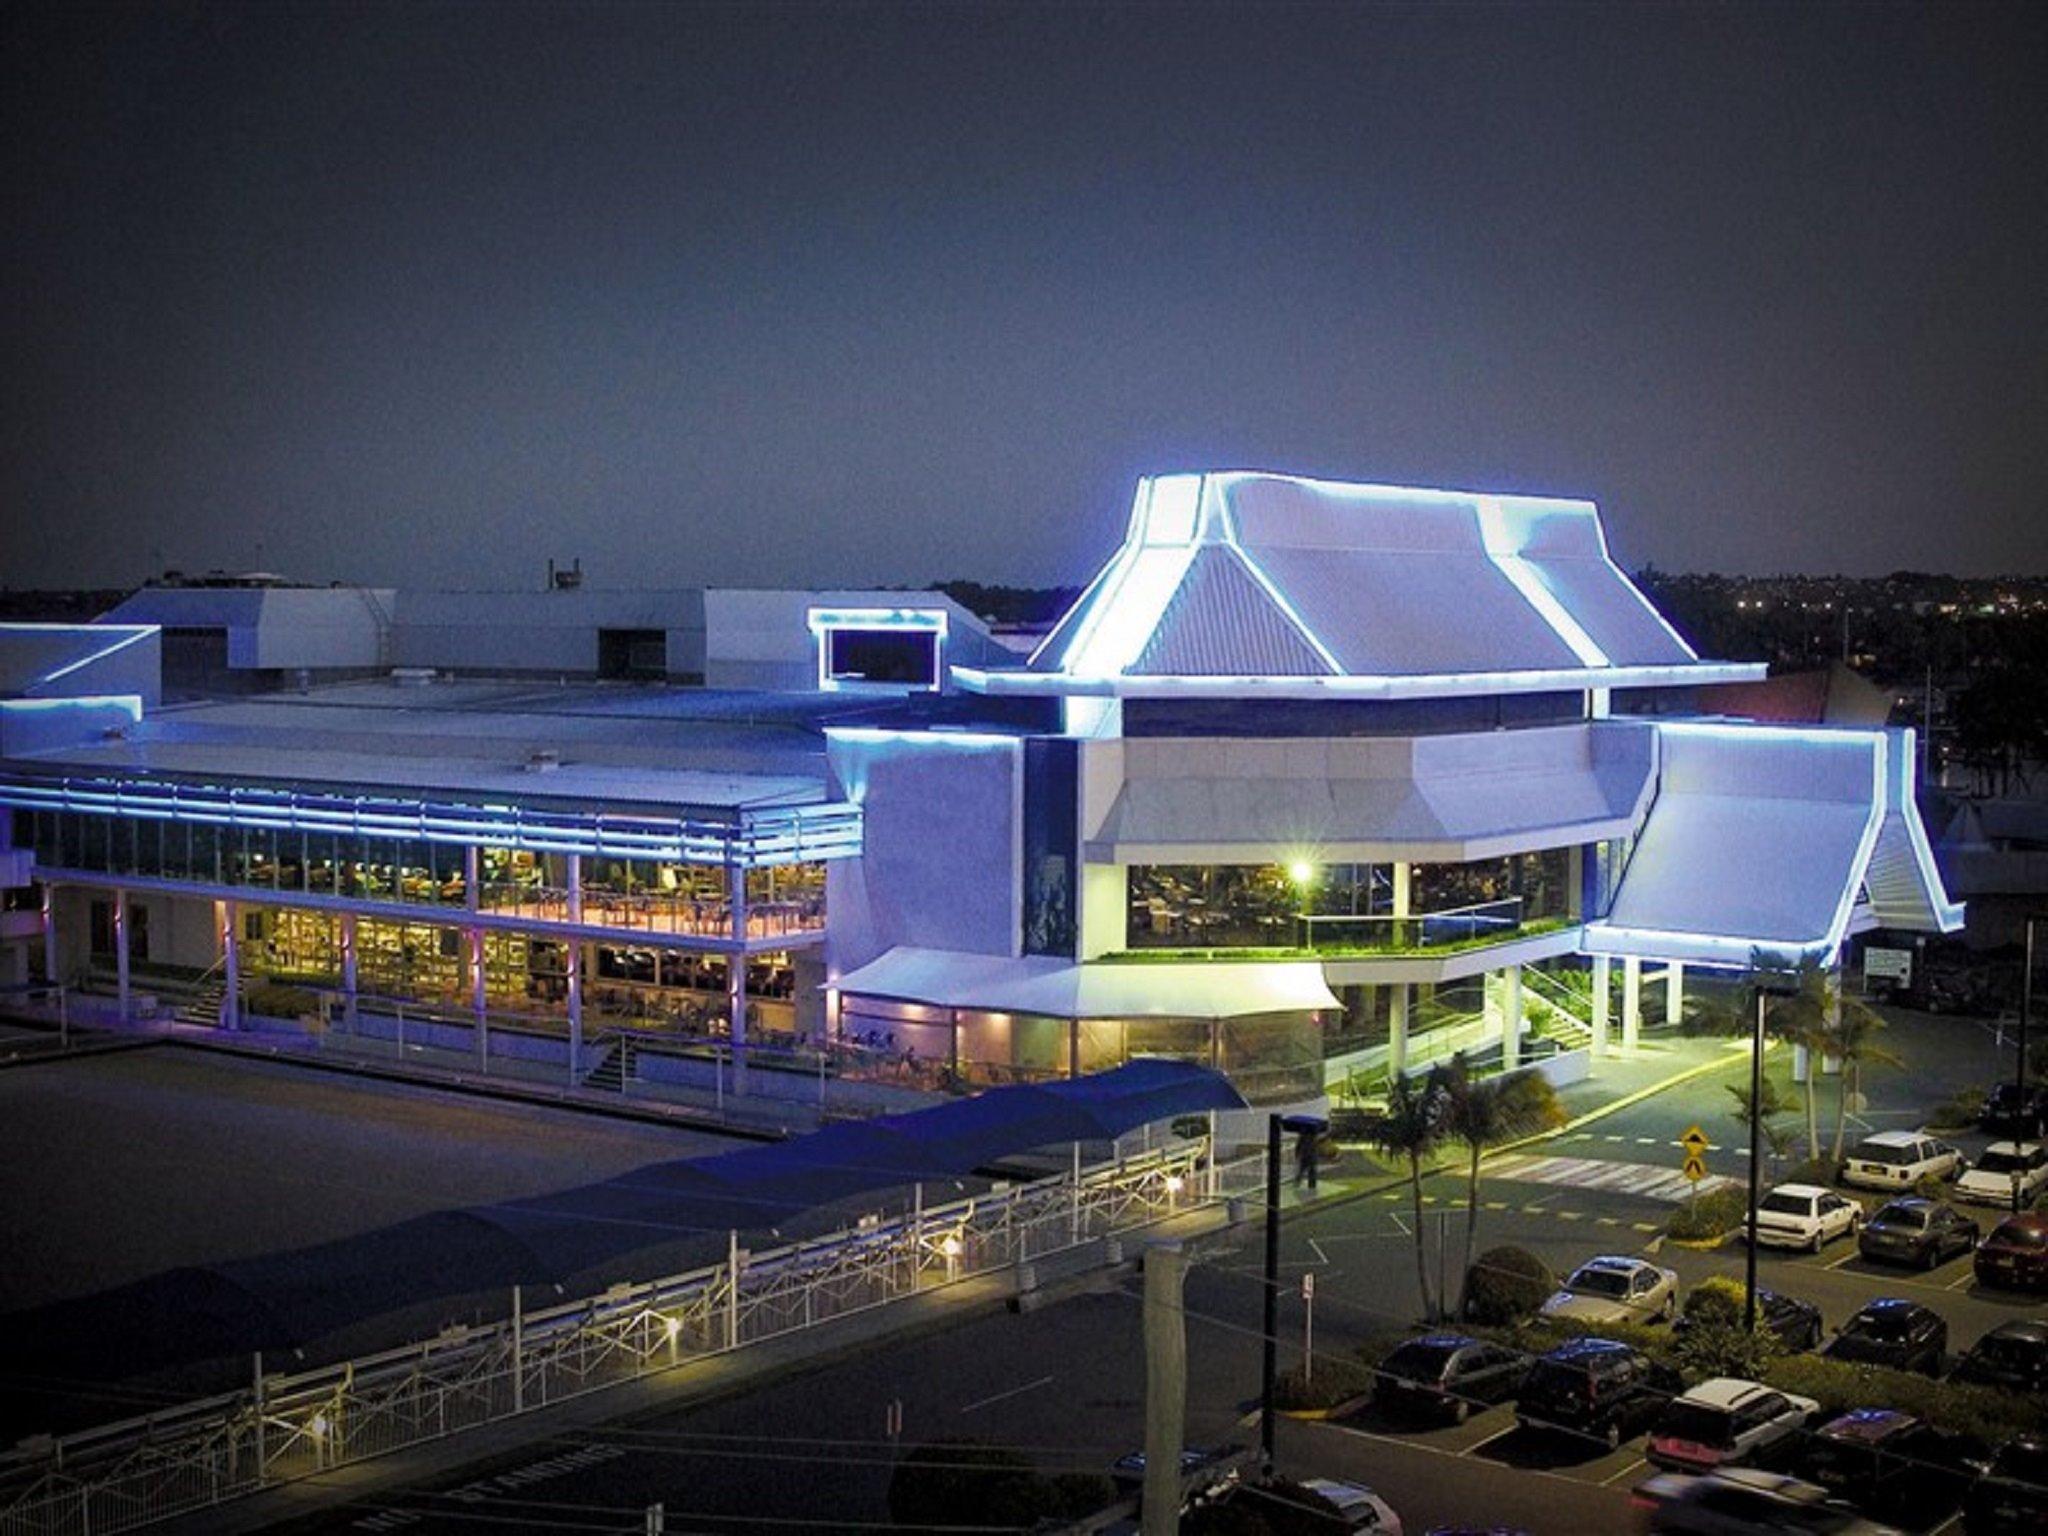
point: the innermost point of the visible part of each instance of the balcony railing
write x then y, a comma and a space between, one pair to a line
1469, 927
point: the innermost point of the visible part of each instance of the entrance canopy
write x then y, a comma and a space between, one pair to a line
1180, 989
1774, 840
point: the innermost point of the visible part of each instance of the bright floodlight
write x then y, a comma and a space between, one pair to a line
1302, 871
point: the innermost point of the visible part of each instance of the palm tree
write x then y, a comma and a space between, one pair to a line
1797, 1015
1411, 1127
1774, 1135
1852, 1041
1483, 1112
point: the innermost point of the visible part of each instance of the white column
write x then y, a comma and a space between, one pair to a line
1511, 1018
1631, 1002
575, 887
1674, 993
1397, 1029
1603, 972
1404, 888
231, 967
736, 1016
349, 986
121, 951
472, 866
478, 997
575, 948
51, 972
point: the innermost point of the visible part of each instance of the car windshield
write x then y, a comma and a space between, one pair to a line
1886, 1327
1598, 1282
1420, 1362
1913, 1216
1787, 1205
2023, 1462
1878, 1152
2003, 1162
1699, 1423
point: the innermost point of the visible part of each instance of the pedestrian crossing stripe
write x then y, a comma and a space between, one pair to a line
1644, 1181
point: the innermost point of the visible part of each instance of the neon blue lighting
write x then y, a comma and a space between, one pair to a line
1406, 685
1504, 549
129, 704
1170, 516
930, 736
823, 622
775, 835
130, 635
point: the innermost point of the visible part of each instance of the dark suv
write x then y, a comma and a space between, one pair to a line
1916, 1231
1596, 1389
2016, 1111
1891, 1331
1890, 1464
2013, 1356
1447, 1374
2011, 1498
2015, 1256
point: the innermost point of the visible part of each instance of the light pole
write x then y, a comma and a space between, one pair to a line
1271, 1362
1756, 1120
2019, 1071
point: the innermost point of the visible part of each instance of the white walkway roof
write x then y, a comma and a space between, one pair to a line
1765, 839
1313, 588
1180, 989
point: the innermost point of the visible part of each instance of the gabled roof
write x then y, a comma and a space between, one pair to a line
1232, 578
1763, 838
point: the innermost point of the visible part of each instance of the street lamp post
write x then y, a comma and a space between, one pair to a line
2019, 1071
1756, 1119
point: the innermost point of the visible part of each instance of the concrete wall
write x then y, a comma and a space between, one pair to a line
535, 631
944, 837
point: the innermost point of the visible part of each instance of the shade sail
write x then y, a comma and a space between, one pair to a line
1182, 989
287, 1300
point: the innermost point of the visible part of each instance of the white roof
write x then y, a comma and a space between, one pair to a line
1056, 988
1432, 798
1763, 838
1723, 1392
1314, 587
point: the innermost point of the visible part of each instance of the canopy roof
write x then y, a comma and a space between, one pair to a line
287, 1300
1424, 798
1210, 989
1313, 588
1767, 839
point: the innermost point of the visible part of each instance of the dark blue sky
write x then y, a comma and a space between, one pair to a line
881, 293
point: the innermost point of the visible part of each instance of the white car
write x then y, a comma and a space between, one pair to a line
1745, 1502
1991, 1181
1614, 1289
1899, 1160
1722, 1422
1805, 1216
1362, 1509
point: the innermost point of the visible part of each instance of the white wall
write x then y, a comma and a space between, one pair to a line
943, 840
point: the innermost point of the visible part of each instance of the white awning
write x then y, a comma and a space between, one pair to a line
1177, 989
1764, 839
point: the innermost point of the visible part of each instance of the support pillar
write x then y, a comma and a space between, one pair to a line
736, 976
472, 875
1511, 1018
349, 985
479, 997
1397, 1029
575, 862
1631, 1002
121, 951
52, 972
1674, 993
575, 948
231, 966
1166, 1387
1603, 974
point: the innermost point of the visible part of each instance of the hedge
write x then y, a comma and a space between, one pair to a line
1714, 1214
1986, 1412
1506, 1285
1336, 1380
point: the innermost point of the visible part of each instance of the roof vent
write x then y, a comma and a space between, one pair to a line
543, 760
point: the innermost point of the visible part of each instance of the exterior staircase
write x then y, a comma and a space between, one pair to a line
203, 1006
613, 1069
1556, 1011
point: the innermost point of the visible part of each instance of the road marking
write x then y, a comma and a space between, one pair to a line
1648, 1181
1633, 1466
1967, 1277
1567, 1215
1605, 1221
1029, 1386
1494, 1205
1427, 1450
1645, 1226
1651, 1141
1844, 1259
1473, 1450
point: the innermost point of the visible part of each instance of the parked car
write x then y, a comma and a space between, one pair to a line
1614, 1289
2016, 1111
1745, 1502
2015, 1256
1805, 1216
1916, 1231
1596, 1389
2013, 1356
1201, 1467
1795, 1324
1891, 1331
1899, 1160
2011, 1498
1885, 1461
1447, 1374
1361, 1508
1725, 1422
2004, 1167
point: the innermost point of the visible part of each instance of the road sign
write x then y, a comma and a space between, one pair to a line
1695, 1143
1695, 1167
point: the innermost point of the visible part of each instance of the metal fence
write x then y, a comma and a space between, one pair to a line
121, 1476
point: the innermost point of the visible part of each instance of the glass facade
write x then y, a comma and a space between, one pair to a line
1342, 906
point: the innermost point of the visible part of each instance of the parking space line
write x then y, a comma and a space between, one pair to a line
1644, 1226
1844, 1259
1635, 1466
1425, 1448
1473, 1450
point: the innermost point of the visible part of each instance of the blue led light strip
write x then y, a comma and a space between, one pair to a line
777, 835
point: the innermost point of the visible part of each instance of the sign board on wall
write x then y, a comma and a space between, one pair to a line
1892, 965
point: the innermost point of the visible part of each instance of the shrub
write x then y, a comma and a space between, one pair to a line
1985, 1412
1075, 1495
280, 1002
1718, 1299
1506, 1285
1718, 1347
1814, 1170
1335, 1381
1960, 1111
965, 1482
1711, 1215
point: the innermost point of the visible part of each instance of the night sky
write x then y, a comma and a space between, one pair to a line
842, 294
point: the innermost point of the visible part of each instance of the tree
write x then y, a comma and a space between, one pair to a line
1411, 1127
1797, 1013
1775, 1136
1853, 1042
1483, 1112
